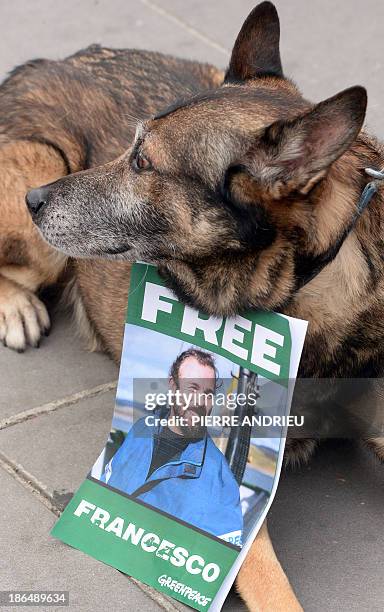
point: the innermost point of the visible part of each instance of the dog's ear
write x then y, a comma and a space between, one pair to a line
292, 156
256, 52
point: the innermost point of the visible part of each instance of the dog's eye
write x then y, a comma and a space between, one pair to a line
140, 162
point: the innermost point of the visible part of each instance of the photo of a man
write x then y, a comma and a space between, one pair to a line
174, 465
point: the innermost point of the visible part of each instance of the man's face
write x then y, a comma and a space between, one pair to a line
196, 385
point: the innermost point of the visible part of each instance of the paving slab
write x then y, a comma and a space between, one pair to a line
60, 448
234, 603
60, 367
54, 30
327, 525
326, 46
32, 560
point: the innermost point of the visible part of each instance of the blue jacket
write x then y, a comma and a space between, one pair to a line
198, 487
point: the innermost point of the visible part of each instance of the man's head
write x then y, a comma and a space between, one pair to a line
236, 193
194, 376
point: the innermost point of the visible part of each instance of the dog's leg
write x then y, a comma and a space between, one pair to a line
262, 582
23, 317
73, 299
298, 451
100, 315
27, 263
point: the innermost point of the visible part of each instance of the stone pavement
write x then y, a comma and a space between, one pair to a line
56, 403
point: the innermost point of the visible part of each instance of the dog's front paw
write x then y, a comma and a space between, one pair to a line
299, 450
23, 317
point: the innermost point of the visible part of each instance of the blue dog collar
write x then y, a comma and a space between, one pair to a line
370, 189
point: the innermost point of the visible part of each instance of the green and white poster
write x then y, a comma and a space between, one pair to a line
193, 457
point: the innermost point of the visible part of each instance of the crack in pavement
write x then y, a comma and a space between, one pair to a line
32, 413
183, 24
40, 492
29, 482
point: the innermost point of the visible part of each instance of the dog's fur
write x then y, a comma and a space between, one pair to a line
239, 193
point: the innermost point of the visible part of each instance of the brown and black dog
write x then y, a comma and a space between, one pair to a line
246, 196
244, 193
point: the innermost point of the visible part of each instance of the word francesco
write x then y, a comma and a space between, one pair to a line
149, 542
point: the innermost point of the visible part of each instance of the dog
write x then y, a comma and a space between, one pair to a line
242, 194
246, 196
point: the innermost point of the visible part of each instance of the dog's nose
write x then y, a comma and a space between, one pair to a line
37, 198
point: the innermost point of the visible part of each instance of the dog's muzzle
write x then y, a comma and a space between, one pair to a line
36, 199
